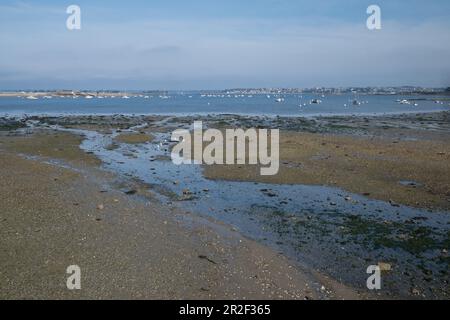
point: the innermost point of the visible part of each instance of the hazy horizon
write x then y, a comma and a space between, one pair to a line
211, 89
214, 45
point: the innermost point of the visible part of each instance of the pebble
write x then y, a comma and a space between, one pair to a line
384, 266
393, 203
415, 291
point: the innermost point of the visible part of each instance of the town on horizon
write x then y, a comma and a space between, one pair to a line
247, 91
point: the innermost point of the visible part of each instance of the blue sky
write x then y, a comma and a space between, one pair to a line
195, 44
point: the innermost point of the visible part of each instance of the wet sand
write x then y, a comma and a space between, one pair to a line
413, 173
402, 159
59, 209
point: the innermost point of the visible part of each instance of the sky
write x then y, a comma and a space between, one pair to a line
211, 44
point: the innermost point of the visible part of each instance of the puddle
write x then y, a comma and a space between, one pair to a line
412, 184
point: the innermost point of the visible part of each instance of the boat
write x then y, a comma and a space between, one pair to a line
315, 101
32, 98
356, 102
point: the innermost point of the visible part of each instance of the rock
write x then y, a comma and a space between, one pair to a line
130, 192
269, 193
415, 291
393, 203
348, 198
100, 207
403, 236
384, 266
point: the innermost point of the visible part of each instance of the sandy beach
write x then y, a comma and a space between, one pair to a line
59, 209
62, 206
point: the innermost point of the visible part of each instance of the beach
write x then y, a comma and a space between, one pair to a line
101, 192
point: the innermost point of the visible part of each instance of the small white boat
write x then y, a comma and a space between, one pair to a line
32, 98
356, 102
279, 99
89, 97
125, 97
316, 101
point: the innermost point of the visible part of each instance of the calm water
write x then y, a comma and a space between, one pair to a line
194, 103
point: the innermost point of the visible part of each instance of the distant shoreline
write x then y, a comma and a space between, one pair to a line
401, 90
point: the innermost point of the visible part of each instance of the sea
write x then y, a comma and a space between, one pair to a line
202, 104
